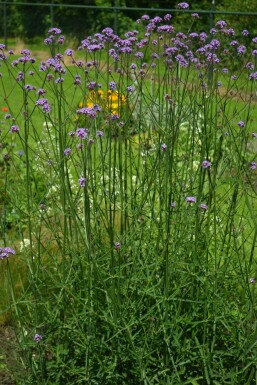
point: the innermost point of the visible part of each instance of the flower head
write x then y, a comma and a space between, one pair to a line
206, 164
81, 133
14, 129
253, 165
5, 252
190, 199
183, 5
82, 181
37, 337
117, 245
67, 151
54, 31
241, 124
164, 147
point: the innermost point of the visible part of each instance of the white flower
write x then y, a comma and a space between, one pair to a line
24, 244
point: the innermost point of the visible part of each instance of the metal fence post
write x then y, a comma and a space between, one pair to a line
210, 68
116, 17
5, 23
212, 14
52, 14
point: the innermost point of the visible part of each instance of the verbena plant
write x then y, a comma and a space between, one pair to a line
128, 192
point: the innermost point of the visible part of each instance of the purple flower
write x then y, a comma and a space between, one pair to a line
221, 24
173, 204
5, 251
139, 55
60, 40
54, 31
114, 117
69, 52
253, 165
253, 76
183, 5
233, 43
252, 281
41, 91
28, 87
241, 49
206, 164
195, 15
67, 151
190, 199
254, 135
37, 338
112, 86
145, 17
7, 116
44, 104
245, 32
181, 61
249, 66
117, 245
14, 129
100, 134
20, 76
164, 147
81, 133
203, 206
89, 111
82, 181
203, 36
59, 80
156, 19
241, 124
167, 17
72, 134
130, 89
48, 41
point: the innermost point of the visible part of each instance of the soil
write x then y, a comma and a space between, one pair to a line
7, 355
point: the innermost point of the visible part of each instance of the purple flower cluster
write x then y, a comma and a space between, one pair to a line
253, 165
14, 129
5, 252
91, 112
44, 105
117, 245
81, 133
82, 181
183, 5
191, 199
206, 164
37, 337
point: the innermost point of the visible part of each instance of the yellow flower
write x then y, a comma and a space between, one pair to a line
110, 100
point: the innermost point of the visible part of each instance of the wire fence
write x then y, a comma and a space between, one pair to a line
52, 12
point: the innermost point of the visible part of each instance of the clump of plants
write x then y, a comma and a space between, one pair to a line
128, 201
